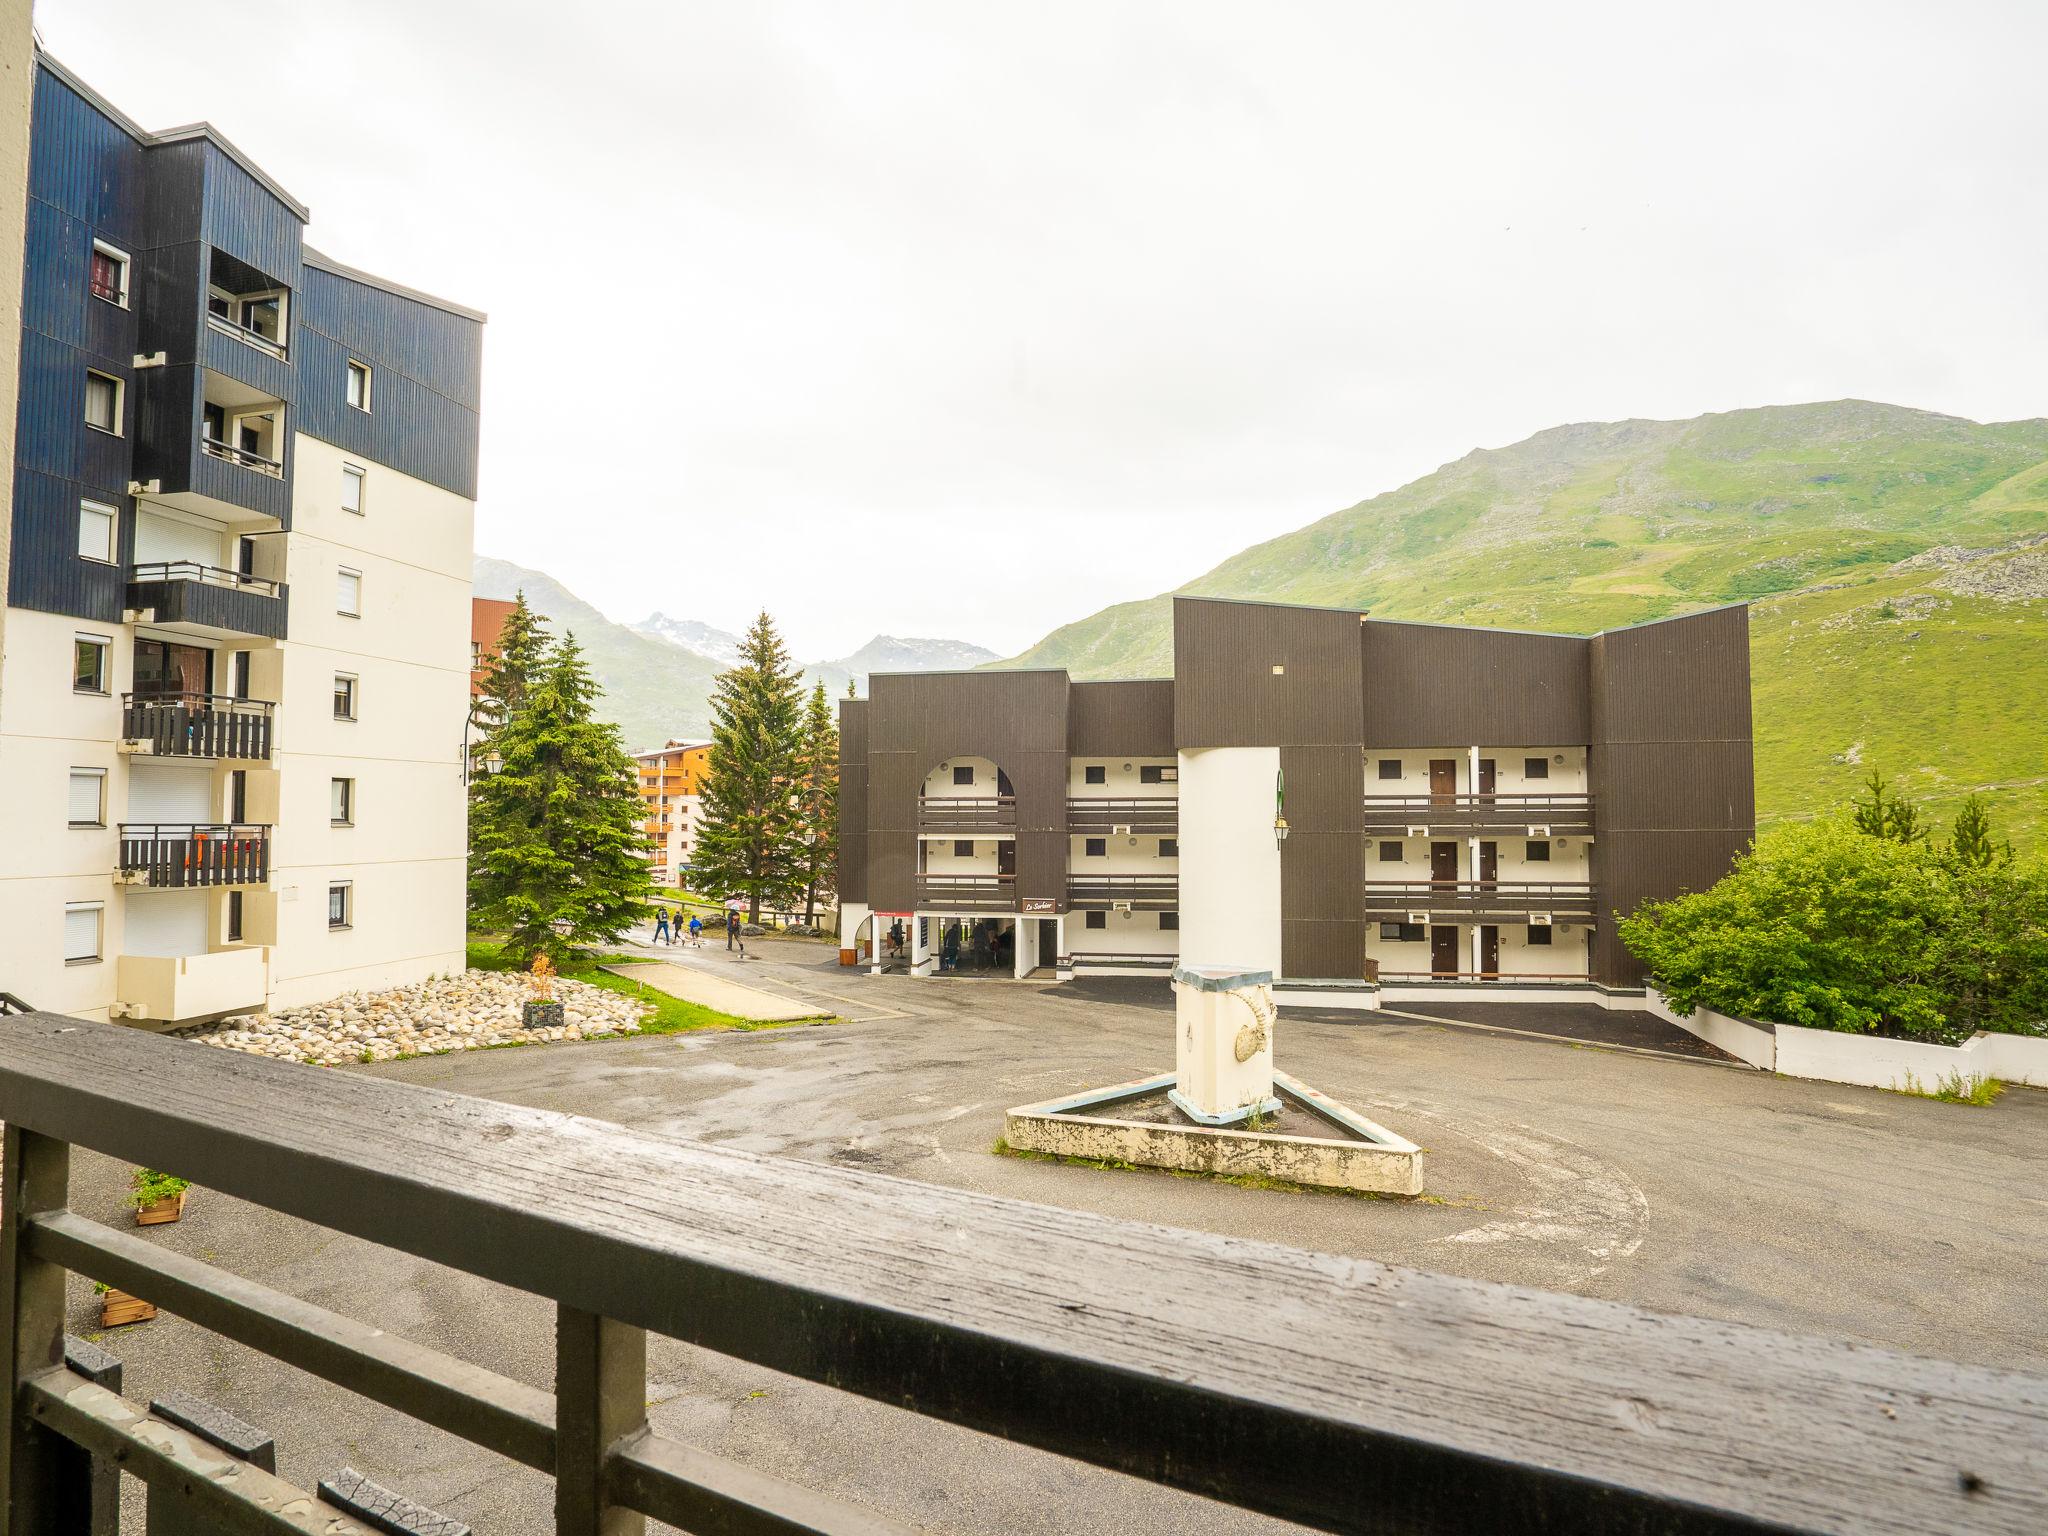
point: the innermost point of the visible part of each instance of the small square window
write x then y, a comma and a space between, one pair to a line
1169, 847
341, 802
82, 924
1096, 848
352, 489
341, 905
109, 274
1390, 930
1169, 922
963, 848
87, 801
1390, 768
88, 664
344, 696
1537, 851
103, 402
1152, 773
359, 385
1539, 933
1535, 767
1095, 773
97, 525
1391, 851
964, 775
348, 593
1095, 920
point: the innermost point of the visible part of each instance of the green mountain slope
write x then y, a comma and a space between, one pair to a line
1867, 650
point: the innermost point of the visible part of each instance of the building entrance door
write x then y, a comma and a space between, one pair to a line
1048, 941
1489, 951
1443, 779
1006, 857
1443, 863
1485, 776
1489, 864
1443, 952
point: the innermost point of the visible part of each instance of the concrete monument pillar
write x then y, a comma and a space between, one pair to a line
1224, 1020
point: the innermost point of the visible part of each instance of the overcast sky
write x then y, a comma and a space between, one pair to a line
967, 318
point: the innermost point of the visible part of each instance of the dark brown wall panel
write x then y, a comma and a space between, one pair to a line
1134, 719
1431, 685
1672, 766
853, 800
1225, 693
1322, 864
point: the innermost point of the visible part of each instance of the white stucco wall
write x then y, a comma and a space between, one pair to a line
1229, 862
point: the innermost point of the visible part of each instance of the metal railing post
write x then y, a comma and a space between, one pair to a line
600, 1400
45, 1488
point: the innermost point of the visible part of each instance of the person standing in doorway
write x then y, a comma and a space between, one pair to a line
661, 925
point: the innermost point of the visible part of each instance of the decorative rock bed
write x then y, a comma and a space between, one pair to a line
444, 1013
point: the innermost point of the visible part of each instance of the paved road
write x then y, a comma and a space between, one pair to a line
1672, 1182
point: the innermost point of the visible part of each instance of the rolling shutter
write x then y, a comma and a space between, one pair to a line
87, 799
82, 932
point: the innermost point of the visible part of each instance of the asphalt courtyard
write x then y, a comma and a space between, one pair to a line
1591, 1153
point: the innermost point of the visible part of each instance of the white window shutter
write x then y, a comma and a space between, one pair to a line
82, 933
84, 803
349, 592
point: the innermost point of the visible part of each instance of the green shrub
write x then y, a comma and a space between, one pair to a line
147, 1186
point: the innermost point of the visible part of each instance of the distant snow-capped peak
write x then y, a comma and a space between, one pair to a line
692, 635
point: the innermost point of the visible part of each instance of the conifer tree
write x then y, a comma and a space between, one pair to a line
1971, 842
749, 844
521, 655
556, 856
818, 800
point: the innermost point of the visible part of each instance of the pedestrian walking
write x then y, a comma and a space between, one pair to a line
661, 925
732, 932
696, 932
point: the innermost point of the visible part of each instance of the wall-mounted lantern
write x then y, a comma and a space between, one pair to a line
1279, 806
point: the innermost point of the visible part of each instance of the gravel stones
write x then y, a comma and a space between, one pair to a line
444, 1013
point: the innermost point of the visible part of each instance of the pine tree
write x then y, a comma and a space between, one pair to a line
1971, 843
1886, 814
556, 856
852, 689
749, 843
818, 800
521, 655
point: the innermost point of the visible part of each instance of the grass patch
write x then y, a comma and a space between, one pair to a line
1954, 1088
1002, 1148
671, 1016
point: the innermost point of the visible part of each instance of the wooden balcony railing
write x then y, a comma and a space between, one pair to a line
967, 813
177, 855
198, 725
1160, 892
1147, 813
968, 893
1563, 898
1564, 814
1341, 1394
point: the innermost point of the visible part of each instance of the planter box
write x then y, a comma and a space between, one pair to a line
118, 1308
157, 1212
539, 1015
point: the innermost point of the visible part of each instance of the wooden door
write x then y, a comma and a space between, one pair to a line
1443, 863
1443, 951
1443, 779
1489, 864
1486, 776
1006, 856
1489, 950
1048, 941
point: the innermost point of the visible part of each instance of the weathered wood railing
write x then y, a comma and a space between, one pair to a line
1339, 1393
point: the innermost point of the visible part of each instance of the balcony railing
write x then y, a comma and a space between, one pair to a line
171, 989
1345, 1395
207, 597
204, 574
968, 893
197, 725
967, 813
1149, 813
247, 333
1563, 898
1148, 892
248, 458
1563, 814
185, 854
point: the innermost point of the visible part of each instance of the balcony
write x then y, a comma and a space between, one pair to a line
967, 893
206, 599
1151, 813
209, 725
1142, 893
171, 989
1553, 815
964, 815
248, 458
187, 855
1469, 899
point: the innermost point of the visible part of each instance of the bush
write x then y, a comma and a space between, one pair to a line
1829, 927
146, 1186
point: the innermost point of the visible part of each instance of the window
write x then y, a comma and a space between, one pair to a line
109, 274
1158, 775
1169, 922
352, 490
88, 799
963, 848
963, 775
344, 696
103, 402
1390, 768
341, 904
348, 593
359, 385
88, 664
96, 525
1095, 773
1535, 767
1537, 852
234, 917
1096, 848
1402, 933
1095, 920
1539, 933
341, 802
1169, 847
1391, 851
82, 932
